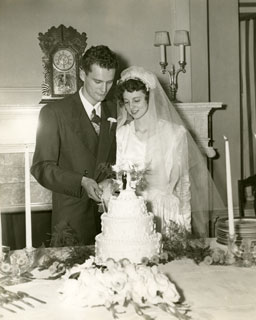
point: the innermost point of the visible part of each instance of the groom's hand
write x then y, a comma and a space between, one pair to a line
91, 187
106, 187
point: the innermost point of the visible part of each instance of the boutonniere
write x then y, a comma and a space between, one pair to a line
111, 120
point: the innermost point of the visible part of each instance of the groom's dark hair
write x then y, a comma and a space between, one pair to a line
100, 55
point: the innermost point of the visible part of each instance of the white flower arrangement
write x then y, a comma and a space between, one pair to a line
137, 173
112, 120
118, 284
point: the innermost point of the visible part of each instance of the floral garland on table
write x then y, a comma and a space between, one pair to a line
178, 243
119, 284
58, 264
71, 252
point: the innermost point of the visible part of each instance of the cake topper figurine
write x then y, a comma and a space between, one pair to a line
130, 176
124, 180
128, 180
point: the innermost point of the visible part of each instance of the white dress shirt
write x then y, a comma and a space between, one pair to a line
89, 107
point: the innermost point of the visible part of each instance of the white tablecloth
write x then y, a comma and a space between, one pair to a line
212, 292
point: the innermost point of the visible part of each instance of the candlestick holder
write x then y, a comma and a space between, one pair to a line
246, 253
5, 253
173, 77
230, 257
162, 40
243, 255
15, 267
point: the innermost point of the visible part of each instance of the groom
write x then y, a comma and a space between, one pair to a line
74, 138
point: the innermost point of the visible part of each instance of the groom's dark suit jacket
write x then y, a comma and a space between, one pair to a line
67, 147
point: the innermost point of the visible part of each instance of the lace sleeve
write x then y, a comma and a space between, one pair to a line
122, 135
179, 183
183, 186
119, 152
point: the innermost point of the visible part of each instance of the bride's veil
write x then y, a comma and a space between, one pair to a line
204, 198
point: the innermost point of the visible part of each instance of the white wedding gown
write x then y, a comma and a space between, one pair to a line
168, 188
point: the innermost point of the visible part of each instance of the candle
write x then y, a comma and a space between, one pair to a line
182, 54
27, 201
1, 235
172, 70
229, 189
162, 53
128, 179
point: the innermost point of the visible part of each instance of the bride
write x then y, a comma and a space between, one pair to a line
150, 133
146, 135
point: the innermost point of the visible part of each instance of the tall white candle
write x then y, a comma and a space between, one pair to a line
229, 189
128, 180
28, 223
1, 242
182, 52
162, 53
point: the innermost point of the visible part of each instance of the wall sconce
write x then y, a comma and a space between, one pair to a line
181, 39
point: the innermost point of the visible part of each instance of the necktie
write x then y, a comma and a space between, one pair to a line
95, 119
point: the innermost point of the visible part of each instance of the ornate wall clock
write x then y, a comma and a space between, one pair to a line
62, 47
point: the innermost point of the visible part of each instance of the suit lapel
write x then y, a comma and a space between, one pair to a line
83, 126
107, 135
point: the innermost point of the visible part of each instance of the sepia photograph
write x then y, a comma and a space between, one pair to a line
127, 159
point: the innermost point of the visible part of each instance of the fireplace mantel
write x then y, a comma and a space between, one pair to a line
197, 117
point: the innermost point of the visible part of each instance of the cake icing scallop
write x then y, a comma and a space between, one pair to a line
128, 230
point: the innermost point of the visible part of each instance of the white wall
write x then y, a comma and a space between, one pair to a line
126, 26
225, 86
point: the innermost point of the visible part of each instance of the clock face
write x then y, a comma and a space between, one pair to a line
63, 59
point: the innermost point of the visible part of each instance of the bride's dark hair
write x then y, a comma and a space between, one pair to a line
131, 85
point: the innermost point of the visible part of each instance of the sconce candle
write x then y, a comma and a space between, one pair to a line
162, 40
27, 201
182, 52
229, 189
162, 53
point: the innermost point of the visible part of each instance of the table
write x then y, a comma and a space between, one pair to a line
213, 293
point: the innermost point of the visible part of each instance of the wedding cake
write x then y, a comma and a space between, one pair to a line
128, 230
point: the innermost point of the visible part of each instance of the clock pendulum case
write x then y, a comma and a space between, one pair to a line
64, 72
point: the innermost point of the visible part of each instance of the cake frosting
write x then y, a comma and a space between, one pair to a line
128, 230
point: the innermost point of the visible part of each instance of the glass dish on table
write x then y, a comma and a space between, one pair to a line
15, 266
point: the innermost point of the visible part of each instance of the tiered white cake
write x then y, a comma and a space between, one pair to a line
127, 230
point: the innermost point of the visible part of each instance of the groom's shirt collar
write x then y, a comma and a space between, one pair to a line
88, 106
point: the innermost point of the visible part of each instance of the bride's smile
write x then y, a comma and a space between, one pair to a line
135, 103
